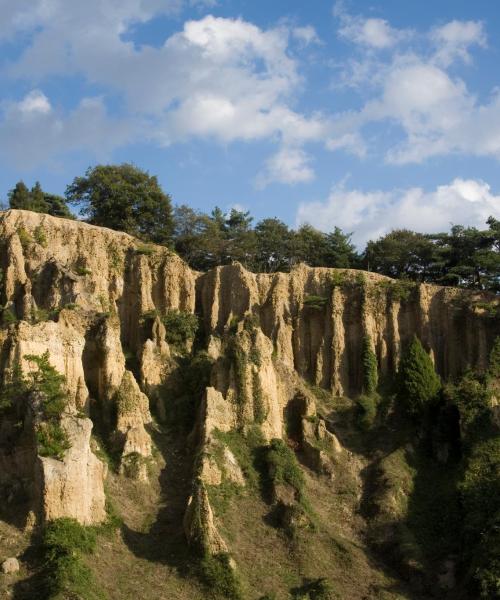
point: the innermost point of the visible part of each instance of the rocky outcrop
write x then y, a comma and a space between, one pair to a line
95, 298
72, 487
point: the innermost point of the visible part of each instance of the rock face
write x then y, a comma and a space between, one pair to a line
73, 487
93, 298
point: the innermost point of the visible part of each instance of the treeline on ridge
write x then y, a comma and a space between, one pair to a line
125, 198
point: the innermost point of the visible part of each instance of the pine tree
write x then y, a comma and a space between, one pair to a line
20, 197
370, 368
419, 383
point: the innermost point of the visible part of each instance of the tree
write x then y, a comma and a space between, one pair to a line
125, 198
38, 201
20, 197
309, 246
273, 246
401, 253
340, 252
419, 383
57, 207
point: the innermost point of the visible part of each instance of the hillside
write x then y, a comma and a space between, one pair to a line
212, 436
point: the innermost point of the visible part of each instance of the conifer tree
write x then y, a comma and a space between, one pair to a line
419, 383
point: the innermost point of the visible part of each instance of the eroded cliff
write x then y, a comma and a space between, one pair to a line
95, 299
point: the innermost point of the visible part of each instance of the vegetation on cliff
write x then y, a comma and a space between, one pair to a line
125, 198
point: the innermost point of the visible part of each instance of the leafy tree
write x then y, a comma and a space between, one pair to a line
125, 198
273, 246
309, 246
401, 253
419, 383
57, 207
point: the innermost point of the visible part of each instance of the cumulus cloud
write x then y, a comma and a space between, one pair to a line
32, 133
230, 80
372, 33
371, 214
412, 87
35, 102
217, 77
454, 39
289, 165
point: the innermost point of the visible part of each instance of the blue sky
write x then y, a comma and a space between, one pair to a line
366, 115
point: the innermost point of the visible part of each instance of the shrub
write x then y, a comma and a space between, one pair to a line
315, 302
338, 278
145, 249
40, 237
368, 410
8, 316
24, 237
81, 270
181, 326
494, 362
419, 383
218, 575
65, 542
370, 367
315, 589
46, 382
283, 466
52, 440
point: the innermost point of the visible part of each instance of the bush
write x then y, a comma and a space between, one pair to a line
419, 384
24, 237
218, 575
368, 410
81, 270
52, 440
8, 317
145, 249
40, 237
181, 326
65, 542
494, 362
370, 367
315, 589
283, 466
47, 383
315, 302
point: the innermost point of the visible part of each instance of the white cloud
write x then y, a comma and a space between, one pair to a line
218, 77
307, 35
289, 165
32, 135
35, 102
374, 33
374, 213
411, 87
453, 40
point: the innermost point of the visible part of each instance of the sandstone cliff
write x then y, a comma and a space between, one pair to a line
93, 298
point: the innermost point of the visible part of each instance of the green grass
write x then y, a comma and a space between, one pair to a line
145, 249
66, 576
219, 577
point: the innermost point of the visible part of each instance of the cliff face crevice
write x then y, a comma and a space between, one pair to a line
93, 298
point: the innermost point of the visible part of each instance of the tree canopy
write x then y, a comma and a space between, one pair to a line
419, 383
125, 198
20, 197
